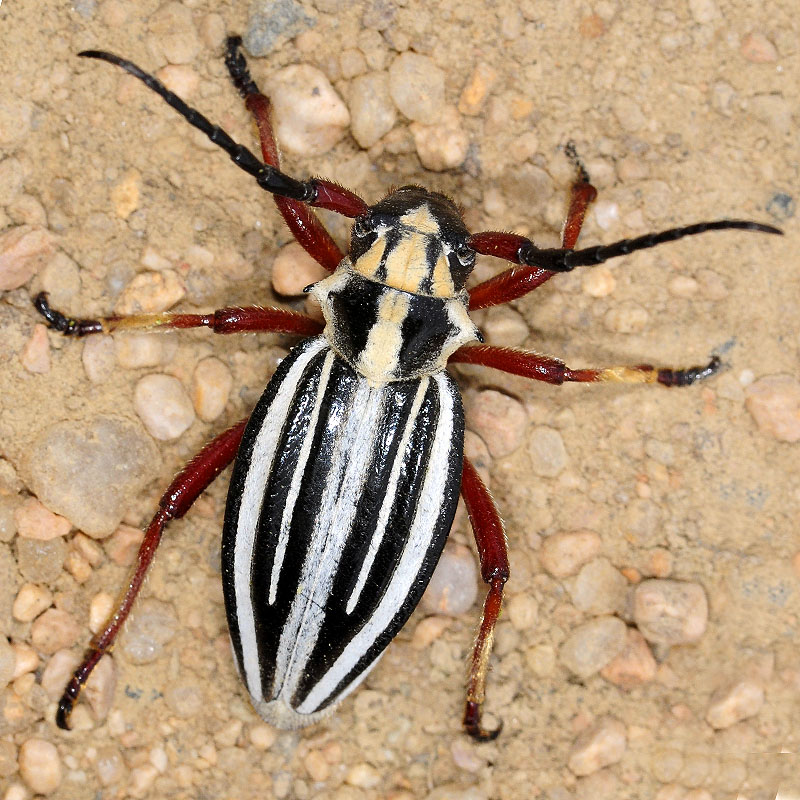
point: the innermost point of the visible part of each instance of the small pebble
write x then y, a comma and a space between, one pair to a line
628, 113
505, 327
125, 194
41, 562
35, 355
122, 546
428, 631
734, 703
774, 403
599, 588
30, 601
372, 112
26, 659
683, 286
670, 612
211, 387
98, 357
8, 663
141, 780
180, 79
150, 292
703, 11
54, 630
262, 737
272, 20
592, 645
34, 521
476, 90
148, 631
416, 85
565, 552
547, 451
173, 27
598, 282
634, 666
140, 350
317, 767
500, 421
109, 765
599, 746
363, 776
99, 689
352, 63
293, 269
163, 406
454, 585
57, 672
443, 145
627, 317
100, 609
40, 765
78, 566
755, 47
523, 612
309, 117
24, 250
185, 700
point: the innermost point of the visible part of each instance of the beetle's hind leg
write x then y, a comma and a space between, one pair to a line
491, 540
253, 319
187, 486
301, 220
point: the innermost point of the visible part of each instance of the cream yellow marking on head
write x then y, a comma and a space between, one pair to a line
368, 264
379, 361
421, 220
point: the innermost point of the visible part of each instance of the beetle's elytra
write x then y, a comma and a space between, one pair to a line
348, 471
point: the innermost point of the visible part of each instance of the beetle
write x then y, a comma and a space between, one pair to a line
347, 473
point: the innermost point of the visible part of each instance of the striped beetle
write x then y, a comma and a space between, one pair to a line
348, 471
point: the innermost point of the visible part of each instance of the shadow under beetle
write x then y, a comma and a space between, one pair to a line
347, 474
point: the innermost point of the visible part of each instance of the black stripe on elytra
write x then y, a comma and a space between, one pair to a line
241, 468
271, 619
410, 486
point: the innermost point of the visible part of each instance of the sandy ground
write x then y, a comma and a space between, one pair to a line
681, 113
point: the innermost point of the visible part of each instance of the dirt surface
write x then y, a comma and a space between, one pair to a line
681, 112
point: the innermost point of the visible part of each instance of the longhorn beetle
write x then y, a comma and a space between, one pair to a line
347, 473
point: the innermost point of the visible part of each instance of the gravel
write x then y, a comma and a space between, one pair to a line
211, 387
735, 703
599, 588
634, 666
147, 632
24, 251
563, 553
272, 20
372, 112
164, 406
54, 630
293, 269
774, 403
416, 85
601, 745
34, 521
150, 292
454, 586
592, 645
500, 421
670, 612
40, 765
88, 472
547, 452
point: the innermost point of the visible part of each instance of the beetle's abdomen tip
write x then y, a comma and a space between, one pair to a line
281, 715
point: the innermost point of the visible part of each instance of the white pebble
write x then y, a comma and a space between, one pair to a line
606, 215
150, 292
180, 79
592, 645
34, 521
24, 250
54, 630
547, 451
599, 588
309, 117
109, 765
444, 144
523, 611
598, 282
293, 269
8, 663
35, 355
363, 776
98, 357
317, 767
25, 659
100, 610
146, 633
599, 746
372, 112
628, 113
417, 87
58, 671
670, 612
734, 703
40, 765
683, 286
505, 327
139, 350
30, 601
163, 406
774, 403
153, 260
627, 317
454, 585
634, 666
211, 387
563, 553
176, 36
500, 421
100, 687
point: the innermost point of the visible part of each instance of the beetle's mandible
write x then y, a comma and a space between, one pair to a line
348, 471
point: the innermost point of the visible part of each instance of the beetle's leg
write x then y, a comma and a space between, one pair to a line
303, 223
189, 484
550, 370
515, 283
254, 319
316, 191
491, 540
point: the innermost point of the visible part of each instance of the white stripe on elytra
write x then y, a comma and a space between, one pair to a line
388, 498
350, 462
297, 479
250, 510
411, 560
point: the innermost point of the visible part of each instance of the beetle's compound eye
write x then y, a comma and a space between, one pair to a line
465, 254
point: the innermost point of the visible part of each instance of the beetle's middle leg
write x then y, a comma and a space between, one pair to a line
491, 540
302, 221
187, 486
252, 319
551, 370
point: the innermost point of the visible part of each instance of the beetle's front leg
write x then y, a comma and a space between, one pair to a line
491, 540
189, 484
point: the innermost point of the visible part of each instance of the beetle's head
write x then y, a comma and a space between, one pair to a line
414, 240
